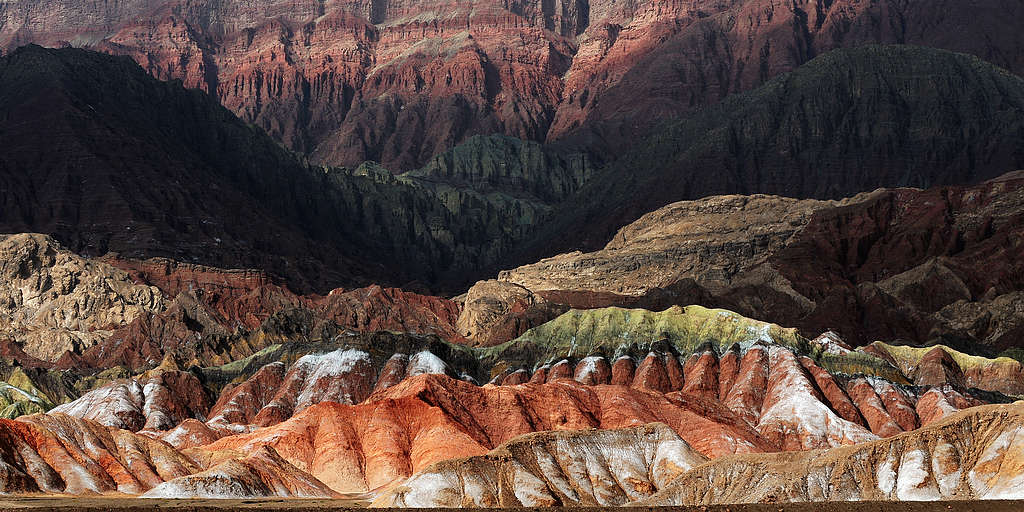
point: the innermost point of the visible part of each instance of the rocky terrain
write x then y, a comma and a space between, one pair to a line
400, 82
588, 467
228, 384
746, 252
974, 454
933, 266
489, 203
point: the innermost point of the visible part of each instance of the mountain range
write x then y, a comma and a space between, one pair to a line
512, 254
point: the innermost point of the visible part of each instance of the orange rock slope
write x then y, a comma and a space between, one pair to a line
976, 454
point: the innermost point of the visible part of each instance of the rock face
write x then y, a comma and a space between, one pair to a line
263, 474
400, 82
564, 468
491, 203
931, 265
55, 301
429, 418
342, 376
975, 454
153, 403
318, 228
57, 453
66, 311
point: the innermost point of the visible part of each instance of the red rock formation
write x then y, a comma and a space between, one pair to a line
156, 402
651, 374
261, 474
209, 301
592, 371
430, 418
515, 378
356, 80
623, 371
57, 453
560, 370
701, 375
746, 395
872, 408
836, 396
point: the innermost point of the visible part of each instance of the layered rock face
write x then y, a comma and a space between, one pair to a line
399, 82
262, 474
155, 403
791, 401
569, 468
937, 264
57, 453
106, 158
491, 203
975, 454
63, 310
430, 418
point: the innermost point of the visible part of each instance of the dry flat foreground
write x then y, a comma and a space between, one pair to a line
296, 505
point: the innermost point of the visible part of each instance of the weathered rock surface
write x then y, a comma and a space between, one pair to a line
263, 474
401, 82
56, 301
63, 310
430, 418
57, 453
974, 454
932, 265
562, 468
155, 403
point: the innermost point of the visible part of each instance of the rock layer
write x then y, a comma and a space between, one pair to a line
920, 265
568, 468
401, 82
975, 454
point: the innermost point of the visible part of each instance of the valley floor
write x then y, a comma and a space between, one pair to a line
84, 504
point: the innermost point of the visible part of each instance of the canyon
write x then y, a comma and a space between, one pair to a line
399, 82
479, 254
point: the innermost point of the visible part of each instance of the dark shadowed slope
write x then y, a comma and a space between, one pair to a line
849, 121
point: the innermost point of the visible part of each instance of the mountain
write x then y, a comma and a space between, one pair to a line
106, 158
250, 390
974, 454
627, 464
846, 122
400, 82
935, 266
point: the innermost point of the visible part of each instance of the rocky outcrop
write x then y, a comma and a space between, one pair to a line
916, 265
939, 365
263, 474
562, 468
66, 311
157, 402
974, 454
57, 453
55, 301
